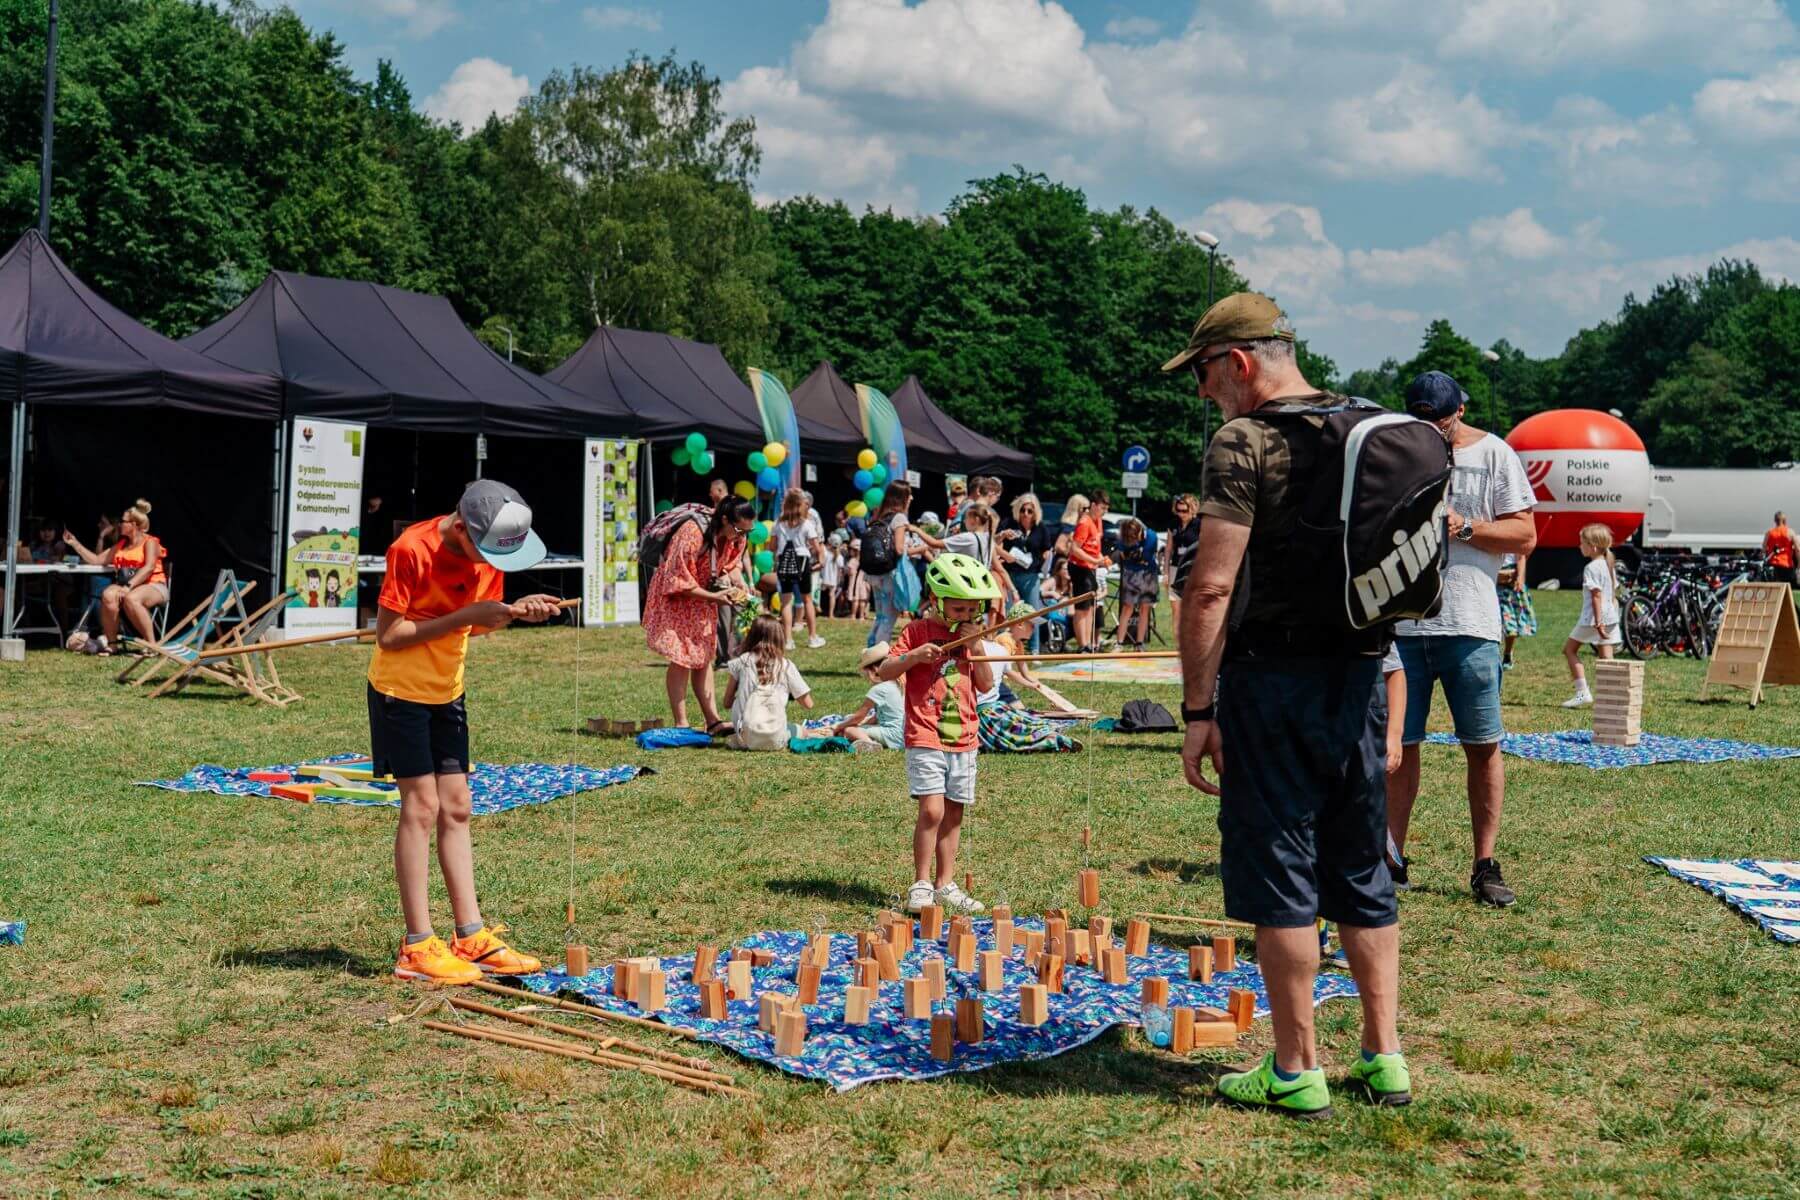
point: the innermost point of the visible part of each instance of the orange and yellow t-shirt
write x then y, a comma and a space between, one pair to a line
427, 579
132, 558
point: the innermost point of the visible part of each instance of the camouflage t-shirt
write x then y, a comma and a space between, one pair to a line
1252, 466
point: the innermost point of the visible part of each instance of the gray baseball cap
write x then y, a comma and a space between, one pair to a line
500, 525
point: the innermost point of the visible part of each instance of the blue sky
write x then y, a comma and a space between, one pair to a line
1514, 165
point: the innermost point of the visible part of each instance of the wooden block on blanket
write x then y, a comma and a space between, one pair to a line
1055, 927
1200, 963
808, 983
991, 970
868, 973
712, 999
706, 962
970, 1024
1224, 948
300, 792
962, 950
1050, 971
1034, 947
575, 960
1113, 967
769, 1005
737, 977
1081, 947
790, 1033
943, 1037
352, 792
932, 971
818, 951
1003, 936
918, 998
270, 777
887, 964
1241, 1004
1137, 937
652, 989
931, 922
1155, 991
1001, 912
856, 1004
762, 958
865, 943
624, 979
1034, 1004
1100, 927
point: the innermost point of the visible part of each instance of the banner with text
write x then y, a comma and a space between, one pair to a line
324, 510
609, 532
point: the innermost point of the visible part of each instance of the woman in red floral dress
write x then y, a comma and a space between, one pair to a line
698, 575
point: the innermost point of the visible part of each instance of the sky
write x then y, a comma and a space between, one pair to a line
1514, 165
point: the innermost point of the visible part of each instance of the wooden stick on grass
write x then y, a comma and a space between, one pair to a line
604, 1041
615, 1057
500, 989
582, 1055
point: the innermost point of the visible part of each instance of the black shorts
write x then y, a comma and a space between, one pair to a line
1303, 814
408, 739
1082, 580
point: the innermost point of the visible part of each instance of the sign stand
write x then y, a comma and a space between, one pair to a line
1759, 640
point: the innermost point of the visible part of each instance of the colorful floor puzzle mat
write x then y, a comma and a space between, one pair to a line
493, 787
892, 1047
1575, 747
1114, 670
1765, 890
12, 933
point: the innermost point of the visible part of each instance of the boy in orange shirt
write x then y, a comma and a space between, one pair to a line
942, 723
443, 584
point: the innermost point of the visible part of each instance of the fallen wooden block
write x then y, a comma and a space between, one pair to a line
1209, 1034
1155, 990
790, 1033
918, 998
300, 792
1087, 887
1137, 937
943, 1037
1034, 1004
762, 957
1224, 948
970, 1023
991, 970
712, 1000
856, 1004
1200, 963
270, 777
369, 794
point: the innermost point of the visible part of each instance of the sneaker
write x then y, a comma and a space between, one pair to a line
1306, 1097
1580, 699
1398, 869
1488, 886
432, 961
1506, 664
790, 647
485, 951
1384, 1078
815, 642
920, 895
951, 896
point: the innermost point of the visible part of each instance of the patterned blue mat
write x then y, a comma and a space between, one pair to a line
12, 933
891, 1047
1767, 891
1575, 747
493, 787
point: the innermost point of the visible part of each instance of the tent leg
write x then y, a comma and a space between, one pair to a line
277, 494
13, 649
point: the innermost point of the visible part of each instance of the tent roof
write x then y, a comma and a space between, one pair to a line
936, 441
364, 352
830, 417
60, 343
670, 386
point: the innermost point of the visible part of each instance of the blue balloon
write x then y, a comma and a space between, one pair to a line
863, 480
768, 479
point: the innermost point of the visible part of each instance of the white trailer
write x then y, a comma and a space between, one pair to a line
1698, 508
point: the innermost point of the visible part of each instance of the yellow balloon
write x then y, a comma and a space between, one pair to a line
776, 453
866, 460
856, 508
745, 489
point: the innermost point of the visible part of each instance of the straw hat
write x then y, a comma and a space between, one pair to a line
873, 656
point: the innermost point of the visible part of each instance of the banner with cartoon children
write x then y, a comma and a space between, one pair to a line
324, 510
609, 527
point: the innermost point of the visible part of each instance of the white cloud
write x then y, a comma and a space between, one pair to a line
1131, 28
1414, 124
1655, 159
1435, 261
1544, 34
1281, 248
476, 88
1763, 108
421, 18
614, 16
1516, 235
809, 145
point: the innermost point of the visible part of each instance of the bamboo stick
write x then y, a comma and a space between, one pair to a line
500, 989
361, 635
580, 1055
1211, 922
1074, 657
606, 1042
990, 630
619, 1058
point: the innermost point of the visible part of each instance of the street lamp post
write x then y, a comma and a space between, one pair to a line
1493, 362
1212, 245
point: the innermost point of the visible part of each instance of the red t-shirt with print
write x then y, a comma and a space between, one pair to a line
940, 697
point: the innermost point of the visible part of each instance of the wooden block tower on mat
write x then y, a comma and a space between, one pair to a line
1618, 702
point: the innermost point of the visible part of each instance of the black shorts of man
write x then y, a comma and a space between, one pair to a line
1297, 730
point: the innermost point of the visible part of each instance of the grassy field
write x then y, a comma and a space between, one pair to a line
198, 1009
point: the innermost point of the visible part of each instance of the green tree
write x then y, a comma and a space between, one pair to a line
1707, 414
1444, 349
1381, 384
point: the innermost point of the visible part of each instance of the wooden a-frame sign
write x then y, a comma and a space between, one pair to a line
1759, 640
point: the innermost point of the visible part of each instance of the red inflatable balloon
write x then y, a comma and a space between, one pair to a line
1584, 466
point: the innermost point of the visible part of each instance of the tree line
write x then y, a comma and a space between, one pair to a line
200, 145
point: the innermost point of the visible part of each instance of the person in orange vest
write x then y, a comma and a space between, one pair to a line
1778, 549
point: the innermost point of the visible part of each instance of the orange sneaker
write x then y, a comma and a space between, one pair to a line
431, 960
485, 951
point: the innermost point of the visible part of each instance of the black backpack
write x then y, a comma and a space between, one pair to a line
1373, 515
653, 542
878, 556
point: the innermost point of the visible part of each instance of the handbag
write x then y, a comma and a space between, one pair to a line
906, 586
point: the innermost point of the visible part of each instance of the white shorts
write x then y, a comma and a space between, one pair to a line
946, 773
1589, 635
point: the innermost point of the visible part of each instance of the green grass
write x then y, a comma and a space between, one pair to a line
197, 1010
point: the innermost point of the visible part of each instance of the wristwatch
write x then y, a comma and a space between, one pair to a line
1465, 532
1197, 714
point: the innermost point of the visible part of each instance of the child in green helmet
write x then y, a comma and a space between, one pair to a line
942, 722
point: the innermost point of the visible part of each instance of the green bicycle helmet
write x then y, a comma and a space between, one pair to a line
959, 577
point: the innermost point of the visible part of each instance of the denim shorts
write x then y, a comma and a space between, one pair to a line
1469, 668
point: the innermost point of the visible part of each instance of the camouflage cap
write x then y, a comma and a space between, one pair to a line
1239, 317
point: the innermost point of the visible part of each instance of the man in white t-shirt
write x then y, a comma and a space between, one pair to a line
1490, 517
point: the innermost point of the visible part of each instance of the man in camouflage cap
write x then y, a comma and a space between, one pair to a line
1297, 732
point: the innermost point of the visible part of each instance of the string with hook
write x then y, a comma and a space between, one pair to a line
571, 935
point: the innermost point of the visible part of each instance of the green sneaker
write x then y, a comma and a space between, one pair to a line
1384, 1077
1303, 1097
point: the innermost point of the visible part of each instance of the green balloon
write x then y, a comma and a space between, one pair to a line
764, 562
759, 533
758, 460
663, 506
696, 442
878, 473
680, 456
701, 462
873, 496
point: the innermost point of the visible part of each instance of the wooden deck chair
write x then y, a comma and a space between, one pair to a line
188, 666
202, 628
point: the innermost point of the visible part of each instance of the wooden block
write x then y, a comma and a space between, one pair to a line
932, 971
790, 1033
1200, 963
868, 973
1181, 1036
1241, 1004
1034, 946
1001, 912
768, 1007
1058, 946
931, 922
808, 982
970, 1024
737, 978
1055, 927
706, 961
1057, 914
373, 794
856, 1004
762, 958
818, 951
1155, 991
991, 970
1100, 927
904, 946
1214, 1033
865, 943
962, 951
712, 999
918, 998
1050, 971
1113, 967
943, 1037
1098, 946
272, 777
887, 964
1080, 949
652, 990
962, 924
1034, 1004
575, 960
887, 916
1204, 1013
1137, 937
1003, 936
1087, 887
300, 792
624, 981
1224, 950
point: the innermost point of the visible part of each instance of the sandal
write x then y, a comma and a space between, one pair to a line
719, 729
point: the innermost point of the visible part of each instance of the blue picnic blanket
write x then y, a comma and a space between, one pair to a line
672, 737
892, 1047
1576, 748
493, 787
1765, 890
12, 933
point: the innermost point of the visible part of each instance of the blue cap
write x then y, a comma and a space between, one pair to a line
1434, 396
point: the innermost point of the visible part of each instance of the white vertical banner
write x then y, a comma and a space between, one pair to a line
609, 531
324, 514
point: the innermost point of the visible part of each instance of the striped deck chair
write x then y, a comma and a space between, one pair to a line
228, 671
201, 628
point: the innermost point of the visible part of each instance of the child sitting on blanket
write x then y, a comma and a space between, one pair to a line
879, 722
1006, 725
941, 722
762, 683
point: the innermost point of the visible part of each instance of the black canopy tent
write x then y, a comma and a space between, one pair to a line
826, 404
936, 441
65, 352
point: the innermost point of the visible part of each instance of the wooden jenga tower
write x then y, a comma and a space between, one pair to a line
1618, 702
